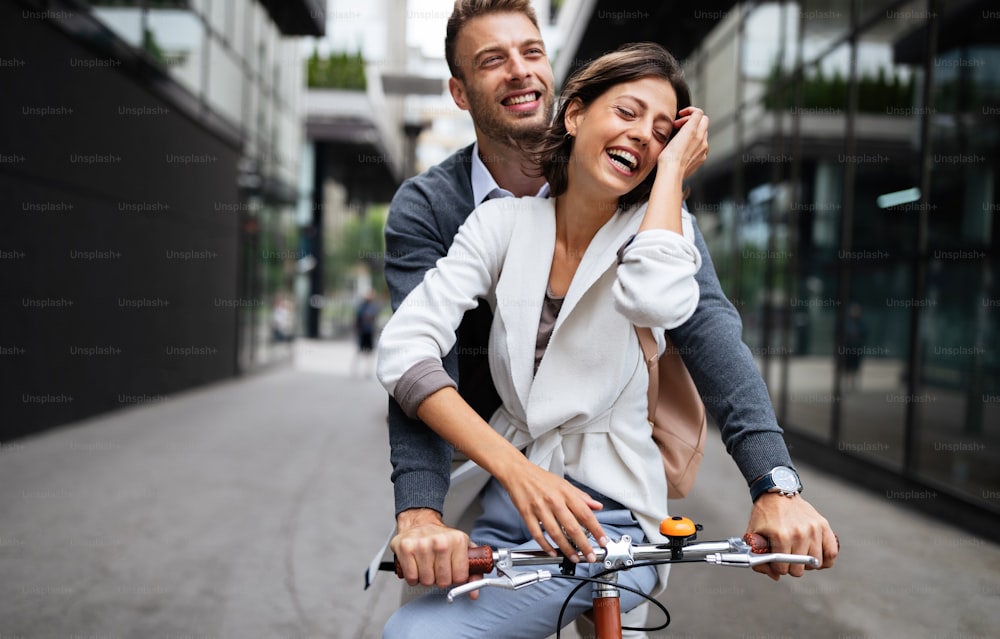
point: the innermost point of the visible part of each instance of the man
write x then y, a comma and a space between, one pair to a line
502, 76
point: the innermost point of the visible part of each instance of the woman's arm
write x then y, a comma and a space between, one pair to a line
684, 153
655, 285
423, 326
410, 347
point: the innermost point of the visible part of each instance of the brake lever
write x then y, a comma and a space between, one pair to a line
512, 581
743, 559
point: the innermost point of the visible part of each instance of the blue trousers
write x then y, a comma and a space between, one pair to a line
529, 613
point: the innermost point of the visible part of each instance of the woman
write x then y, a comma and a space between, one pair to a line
568, 278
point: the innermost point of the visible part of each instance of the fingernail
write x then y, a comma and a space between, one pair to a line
604, 541
592, 558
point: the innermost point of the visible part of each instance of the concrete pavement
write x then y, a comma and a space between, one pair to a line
248, 509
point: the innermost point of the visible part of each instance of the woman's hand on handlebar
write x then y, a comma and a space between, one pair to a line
428, 552
551, 505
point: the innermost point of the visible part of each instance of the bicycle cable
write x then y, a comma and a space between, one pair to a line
597, 579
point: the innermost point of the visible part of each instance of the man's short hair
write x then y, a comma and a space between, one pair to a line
466, 10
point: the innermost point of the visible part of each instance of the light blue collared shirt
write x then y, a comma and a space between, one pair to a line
484, 187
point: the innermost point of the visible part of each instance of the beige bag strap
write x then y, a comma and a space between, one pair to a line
647, 342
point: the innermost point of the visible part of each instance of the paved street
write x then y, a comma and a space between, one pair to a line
248, 509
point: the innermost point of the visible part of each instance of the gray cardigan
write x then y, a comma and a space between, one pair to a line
424, 217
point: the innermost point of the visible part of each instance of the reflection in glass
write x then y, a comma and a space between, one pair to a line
957, 441
826, 22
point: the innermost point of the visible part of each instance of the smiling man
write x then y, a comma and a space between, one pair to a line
501, 74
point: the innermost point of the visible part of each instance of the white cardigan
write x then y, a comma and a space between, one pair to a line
583, 413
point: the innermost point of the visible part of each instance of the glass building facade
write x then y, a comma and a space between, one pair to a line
850, 205
149, 174
232, 57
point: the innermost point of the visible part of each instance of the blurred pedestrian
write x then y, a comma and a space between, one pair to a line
282, 321
365, 325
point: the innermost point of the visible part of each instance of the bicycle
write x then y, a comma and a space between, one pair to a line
681, 547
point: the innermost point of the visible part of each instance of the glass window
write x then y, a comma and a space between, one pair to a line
769, 40
958, 430
874, 349
825, 22
200, 7
813, 300
260, 60
888, 11
225, 83
219, 18
818, 104
238, 29
251, 107
267, 43
960, 369
124, 21
176, 37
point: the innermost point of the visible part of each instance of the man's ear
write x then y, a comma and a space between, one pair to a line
575, 112
457, 89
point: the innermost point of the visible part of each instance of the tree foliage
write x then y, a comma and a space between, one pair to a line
339, 70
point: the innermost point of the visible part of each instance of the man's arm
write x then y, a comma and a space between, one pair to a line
421, 459
723, 369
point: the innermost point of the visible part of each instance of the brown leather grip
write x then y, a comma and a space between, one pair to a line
758, 543
480, 561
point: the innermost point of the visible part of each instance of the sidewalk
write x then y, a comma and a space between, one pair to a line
249, 509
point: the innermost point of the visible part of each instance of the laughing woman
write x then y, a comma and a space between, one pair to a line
569, 453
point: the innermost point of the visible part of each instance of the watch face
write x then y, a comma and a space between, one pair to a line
785, 479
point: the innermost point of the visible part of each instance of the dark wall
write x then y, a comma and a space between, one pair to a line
118, 235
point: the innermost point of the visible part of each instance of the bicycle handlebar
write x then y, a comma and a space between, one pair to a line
752, 550
616, 556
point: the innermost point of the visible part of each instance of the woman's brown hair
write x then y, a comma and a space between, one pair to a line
551, 152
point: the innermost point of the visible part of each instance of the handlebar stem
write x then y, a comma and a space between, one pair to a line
618, 554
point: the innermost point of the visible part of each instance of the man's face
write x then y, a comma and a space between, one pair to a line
507, 79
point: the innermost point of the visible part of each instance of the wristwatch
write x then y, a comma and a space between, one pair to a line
780, 479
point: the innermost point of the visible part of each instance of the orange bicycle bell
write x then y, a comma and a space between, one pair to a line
679, 531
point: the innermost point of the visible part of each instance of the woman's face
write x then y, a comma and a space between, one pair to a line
620, 135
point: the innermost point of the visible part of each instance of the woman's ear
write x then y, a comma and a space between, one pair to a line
575, 112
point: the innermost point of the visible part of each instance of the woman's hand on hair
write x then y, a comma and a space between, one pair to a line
688, 147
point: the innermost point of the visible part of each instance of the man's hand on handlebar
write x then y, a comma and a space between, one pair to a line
792, 525
428, 552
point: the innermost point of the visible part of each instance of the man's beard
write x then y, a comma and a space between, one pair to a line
509, 129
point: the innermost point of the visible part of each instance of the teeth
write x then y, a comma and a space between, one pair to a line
624, 158
522, 99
